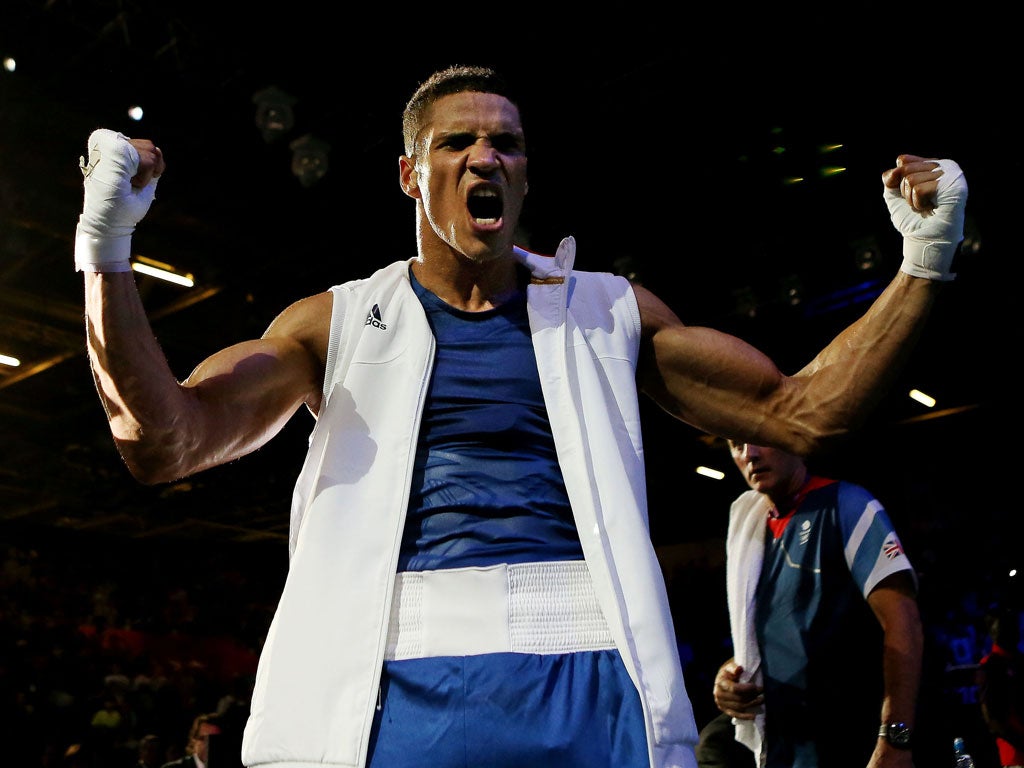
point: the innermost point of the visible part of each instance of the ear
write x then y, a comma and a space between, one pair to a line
407, 177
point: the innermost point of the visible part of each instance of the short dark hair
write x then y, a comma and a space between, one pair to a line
444, 82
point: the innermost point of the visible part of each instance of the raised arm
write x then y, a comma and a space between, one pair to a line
722, 385
230, 405
236, 399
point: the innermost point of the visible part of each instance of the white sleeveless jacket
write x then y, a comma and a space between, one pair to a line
317, 683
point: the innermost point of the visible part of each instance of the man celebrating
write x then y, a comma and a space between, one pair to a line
471, 577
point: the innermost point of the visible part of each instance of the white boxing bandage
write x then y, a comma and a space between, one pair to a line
113, 206
931, 238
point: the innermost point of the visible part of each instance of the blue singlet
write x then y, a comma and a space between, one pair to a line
488, 489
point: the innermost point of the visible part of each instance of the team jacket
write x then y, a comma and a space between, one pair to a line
318, 676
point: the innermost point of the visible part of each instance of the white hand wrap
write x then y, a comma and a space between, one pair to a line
930, 239
112, 207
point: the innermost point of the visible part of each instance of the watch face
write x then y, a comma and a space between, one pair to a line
898, 734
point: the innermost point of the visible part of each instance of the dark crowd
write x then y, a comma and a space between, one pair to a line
107, 642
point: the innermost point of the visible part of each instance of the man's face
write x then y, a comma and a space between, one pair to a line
768, 470
201, 742
469, 174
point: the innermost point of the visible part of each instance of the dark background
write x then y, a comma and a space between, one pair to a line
663, 142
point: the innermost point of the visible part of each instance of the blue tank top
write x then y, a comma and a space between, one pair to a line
486, 487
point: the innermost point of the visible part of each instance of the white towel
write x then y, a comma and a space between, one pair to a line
744, 555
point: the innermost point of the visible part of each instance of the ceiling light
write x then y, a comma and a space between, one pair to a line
274, 115
867, 258
11, 361
744, 301
309, 159
790, 290
921, 397
714, 474
162, 271
627, 267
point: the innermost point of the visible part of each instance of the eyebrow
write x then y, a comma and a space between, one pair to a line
510, 133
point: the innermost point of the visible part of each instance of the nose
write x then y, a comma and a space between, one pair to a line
483, 157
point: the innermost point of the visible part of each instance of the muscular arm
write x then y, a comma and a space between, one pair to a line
236, 399
230, 405
722, 385
895, 606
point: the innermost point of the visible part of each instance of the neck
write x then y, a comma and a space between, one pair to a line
467, 285
786, 499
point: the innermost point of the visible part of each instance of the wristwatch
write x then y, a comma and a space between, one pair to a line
897, 734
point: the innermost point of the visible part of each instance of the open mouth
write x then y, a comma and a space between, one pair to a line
485, 205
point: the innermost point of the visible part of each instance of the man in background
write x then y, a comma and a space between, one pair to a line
1001, 686
826, 631
197, 750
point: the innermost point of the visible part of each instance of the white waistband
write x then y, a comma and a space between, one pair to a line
519, 608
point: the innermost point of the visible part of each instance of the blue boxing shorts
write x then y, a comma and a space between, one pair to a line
509, 710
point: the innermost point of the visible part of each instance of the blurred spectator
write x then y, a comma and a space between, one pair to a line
197, 750
1001, 686
54, 666
151, 751
80, 756
105, 730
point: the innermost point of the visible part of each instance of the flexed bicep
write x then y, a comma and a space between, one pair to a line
714, 381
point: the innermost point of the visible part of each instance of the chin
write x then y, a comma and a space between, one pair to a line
484, 250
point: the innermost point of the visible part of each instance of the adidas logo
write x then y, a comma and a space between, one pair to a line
373, 318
